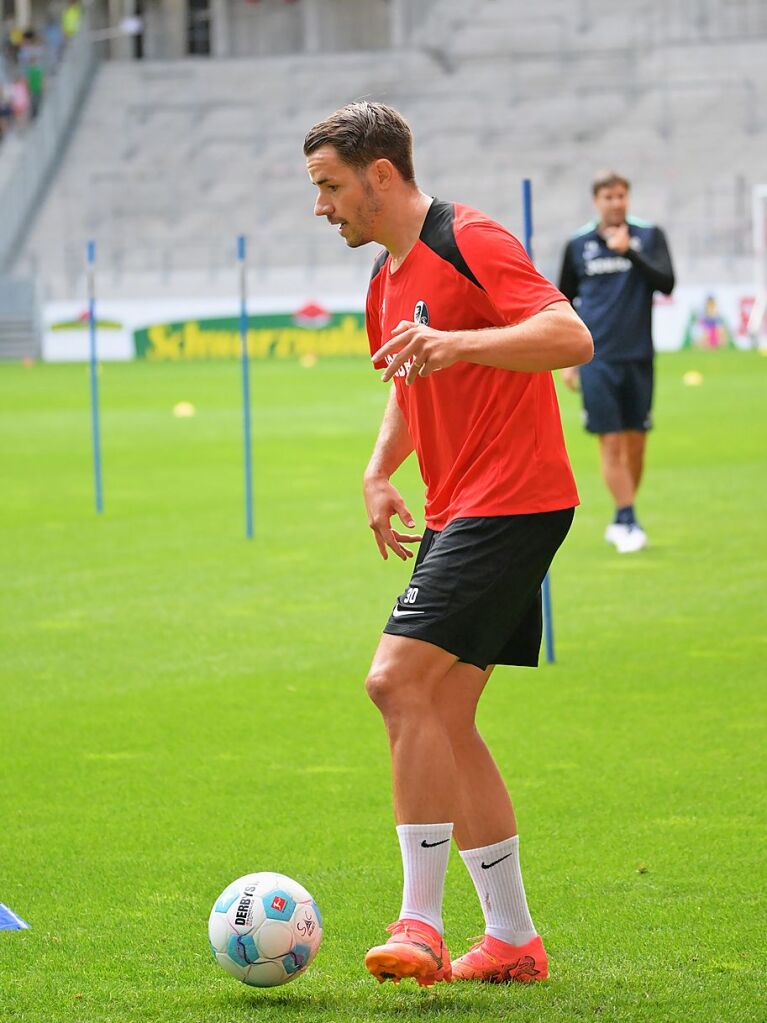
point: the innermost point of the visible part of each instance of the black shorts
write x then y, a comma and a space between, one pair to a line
476, 587
617, 396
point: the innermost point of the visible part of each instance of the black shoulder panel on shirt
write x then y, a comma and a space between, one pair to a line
379, 263
438, 233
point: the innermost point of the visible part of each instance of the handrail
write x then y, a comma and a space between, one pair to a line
22, 193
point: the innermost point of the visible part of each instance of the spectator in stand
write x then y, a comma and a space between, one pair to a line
35, 84
6, 107
15, 39
53, 41
71, 18
31, 50
20, 101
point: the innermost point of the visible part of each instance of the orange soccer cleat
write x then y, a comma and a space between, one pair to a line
496, 962
415, 950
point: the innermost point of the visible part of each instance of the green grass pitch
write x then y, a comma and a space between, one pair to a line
179, 706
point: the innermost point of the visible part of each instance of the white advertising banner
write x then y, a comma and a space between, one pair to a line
204, 328
703, 316
714, 316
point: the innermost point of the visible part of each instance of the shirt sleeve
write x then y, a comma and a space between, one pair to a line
373, 307
373, 322
568, 276
655, 265
505, 272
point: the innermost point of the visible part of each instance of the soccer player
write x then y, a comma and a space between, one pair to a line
611, 268
459, 319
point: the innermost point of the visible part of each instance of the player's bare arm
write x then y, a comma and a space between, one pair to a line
382, 500
571, 378
551, 339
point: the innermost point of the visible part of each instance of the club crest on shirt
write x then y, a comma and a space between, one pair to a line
421, 313
590, 249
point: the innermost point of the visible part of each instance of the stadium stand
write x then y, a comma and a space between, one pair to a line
170, 159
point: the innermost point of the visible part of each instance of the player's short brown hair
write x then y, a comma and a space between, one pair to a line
363, 132
608, 178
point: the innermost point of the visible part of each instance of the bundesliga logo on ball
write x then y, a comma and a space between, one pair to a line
265, 929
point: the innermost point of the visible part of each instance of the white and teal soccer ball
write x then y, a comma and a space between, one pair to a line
265, 929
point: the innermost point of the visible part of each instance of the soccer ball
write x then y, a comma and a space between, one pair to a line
265, 929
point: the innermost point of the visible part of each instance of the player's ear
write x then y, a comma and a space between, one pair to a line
383, 173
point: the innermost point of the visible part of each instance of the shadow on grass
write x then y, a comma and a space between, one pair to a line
405, 1003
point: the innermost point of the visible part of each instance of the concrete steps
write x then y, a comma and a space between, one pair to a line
172, 159
20, 335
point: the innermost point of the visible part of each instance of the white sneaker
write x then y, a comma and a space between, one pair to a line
613, 532
626, 539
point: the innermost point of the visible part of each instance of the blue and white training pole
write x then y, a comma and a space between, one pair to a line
10, 921
246, 448
548, 620
90, 260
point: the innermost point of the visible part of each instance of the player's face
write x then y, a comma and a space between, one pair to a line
612, 205
345, 195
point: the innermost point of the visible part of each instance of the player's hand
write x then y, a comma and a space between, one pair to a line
618, 238
383, 501
571, 378
422, 349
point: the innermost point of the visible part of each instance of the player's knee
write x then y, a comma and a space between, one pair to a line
381, 686
612, 447
389, 690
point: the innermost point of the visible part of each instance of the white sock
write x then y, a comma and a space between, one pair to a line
496, 875
425, 851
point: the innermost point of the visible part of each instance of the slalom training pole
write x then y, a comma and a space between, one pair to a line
90, 260
548, 619
247, 457
10, 921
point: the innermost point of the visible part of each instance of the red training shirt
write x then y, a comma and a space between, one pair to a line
489, 441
